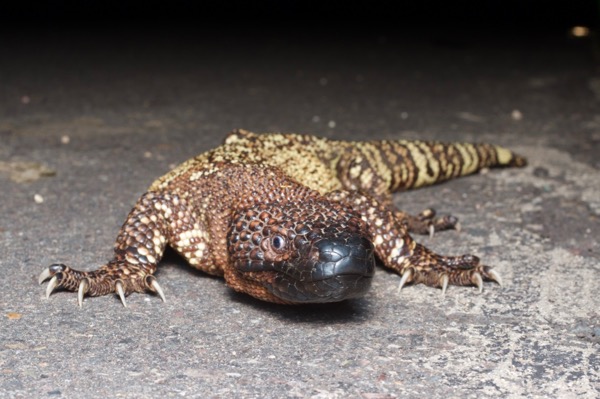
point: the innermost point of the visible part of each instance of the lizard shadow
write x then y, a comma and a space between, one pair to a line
348, 311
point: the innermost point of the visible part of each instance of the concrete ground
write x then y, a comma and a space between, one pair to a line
87, 122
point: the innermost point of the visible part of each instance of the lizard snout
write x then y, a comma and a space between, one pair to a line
350, 255
335, 269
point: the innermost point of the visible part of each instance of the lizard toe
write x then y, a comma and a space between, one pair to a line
51, 271
54, 273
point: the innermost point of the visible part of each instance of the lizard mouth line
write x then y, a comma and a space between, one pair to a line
341, 275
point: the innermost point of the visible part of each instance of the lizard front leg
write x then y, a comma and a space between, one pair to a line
414, 262
156, 220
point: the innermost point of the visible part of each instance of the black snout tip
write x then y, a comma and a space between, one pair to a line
341, 256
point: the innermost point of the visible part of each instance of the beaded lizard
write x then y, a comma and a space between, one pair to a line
291, 218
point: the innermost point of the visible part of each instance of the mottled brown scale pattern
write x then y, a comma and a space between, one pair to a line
253, 208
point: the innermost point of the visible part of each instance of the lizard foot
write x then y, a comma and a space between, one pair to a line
434, 270
115, 277
427, 224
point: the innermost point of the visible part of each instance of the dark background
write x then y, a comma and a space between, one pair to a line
286, 16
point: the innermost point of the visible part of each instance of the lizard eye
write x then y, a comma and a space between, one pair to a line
278, 242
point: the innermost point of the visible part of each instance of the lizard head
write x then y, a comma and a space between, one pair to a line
312, 252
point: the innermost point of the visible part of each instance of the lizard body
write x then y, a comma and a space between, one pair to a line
292, 218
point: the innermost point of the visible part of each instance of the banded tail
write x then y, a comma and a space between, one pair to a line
404, 164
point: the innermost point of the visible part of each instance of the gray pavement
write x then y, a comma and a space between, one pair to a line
87, 123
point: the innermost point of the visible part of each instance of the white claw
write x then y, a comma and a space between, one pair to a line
51, 286
83, 288
431, 230
457, 227
407, 275
158, 290
478, 281
121, 292
494, 275
444, 284
45, 275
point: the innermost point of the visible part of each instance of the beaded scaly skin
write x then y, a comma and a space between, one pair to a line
292, 218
